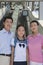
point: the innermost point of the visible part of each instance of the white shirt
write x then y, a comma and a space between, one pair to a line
20, 52
5, 41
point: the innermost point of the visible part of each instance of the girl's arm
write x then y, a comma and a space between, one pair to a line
12, 55
27, 56
42, 48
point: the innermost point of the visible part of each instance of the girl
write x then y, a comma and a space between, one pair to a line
19, 46
35, 44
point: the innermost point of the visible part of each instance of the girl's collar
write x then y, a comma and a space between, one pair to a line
20, 40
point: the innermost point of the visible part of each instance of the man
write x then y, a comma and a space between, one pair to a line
35, 44
5, 41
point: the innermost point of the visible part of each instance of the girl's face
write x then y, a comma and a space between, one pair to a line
21, 31
34, 27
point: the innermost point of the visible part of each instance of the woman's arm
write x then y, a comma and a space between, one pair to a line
27, 56
42, 48
12, 55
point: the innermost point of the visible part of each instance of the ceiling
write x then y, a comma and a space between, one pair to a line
21, 0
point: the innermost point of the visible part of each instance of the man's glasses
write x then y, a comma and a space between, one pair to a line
22, 45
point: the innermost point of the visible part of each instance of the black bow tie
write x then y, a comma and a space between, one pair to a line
22, 45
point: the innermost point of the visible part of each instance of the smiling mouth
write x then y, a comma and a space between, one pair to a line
33, 28
8, 25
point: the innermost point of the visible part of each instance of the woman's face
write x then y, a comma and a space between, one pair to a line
21, 31
34, 27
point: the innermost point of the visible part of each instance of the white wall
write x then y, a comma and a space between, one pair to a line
41, 10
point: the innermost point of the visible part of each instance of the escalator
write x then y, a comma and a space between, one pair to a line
18, 18
23, 20
7, 12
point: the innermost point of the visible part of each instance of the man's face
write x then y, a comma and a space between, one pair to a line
34, 27
8, 24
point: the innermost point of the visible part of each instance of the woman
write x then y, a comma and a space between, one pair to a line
35, 44
19, 47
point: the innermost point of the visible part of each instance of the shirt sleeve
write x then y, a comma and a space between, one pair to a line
12, 42
27, 41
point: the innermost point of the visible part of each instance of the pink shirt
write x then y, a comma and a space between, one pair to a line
35, 50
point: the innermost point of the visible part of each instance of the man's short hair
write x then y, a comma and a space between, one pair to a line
7, 17
34, 21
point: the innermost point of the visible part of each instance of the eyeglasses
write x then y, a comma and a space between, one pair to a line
22, 45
